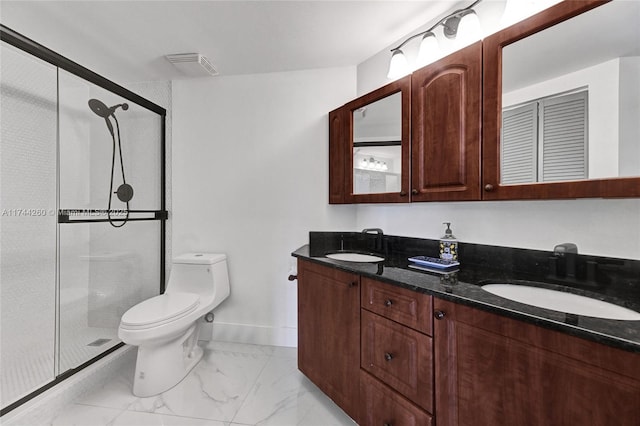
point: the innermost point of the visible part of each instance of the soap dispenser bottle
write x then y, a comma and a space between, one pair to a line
448, 245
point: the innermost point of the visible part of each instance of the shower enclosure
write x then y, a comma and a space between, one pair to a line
82, 214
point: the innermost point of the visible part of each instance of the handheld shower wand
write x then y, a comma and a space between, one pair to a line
124, 191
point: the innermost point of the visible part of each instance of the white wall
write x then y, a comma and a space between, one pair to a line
629, 112
599, 227
250, 179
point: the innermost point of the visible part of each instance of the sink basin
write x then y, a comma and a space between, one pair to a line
563, 302
354, 257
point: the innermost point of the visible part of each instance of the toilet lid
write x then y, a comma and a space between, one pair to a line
160, 309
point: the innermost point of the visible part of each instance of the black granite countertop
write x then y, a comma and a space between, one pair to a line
613, 280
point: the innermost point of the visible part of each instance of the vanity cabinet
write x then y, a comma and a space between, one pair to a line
396, 355
392, 356
492, 370
329, 332
445, 119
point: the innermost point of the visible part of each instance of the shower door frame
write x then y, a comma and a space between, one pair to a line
33, 48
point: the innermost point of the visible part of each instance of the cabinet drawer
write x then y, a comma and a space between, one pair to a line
399, 356
407, 307
383, 406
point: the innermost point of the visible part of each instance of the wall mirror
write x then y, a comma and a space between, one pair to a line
562, 101
379, 144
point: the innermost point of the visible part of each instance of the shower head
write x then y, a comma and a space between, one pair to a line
101, 110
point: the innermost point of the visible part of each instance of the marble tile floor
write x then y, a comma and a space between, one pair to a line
234, 385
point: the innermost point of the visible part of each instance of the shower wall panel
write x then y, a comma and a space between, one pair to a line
86, 149
28, 209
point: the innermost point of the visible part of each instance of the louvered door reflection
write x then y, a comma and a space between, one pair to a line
519, 145
563, 131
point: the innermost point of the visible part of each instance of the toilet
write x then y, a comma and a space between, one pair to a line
165, 328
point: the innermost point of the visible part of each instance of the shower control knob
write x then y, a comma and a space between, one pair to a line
209, 317
125, 193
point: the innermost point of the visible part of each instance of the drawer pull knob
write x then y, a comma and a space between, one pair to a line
388, 302
388, 356
438, 315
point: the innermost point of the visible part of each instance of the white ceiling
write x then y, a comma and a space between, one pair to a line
127, 40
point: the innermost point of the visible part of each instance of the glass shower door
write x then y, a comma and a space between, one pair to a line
28, 216
82, 214
109, 238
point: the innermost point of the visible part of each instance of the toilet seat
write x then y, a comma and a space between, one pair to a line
160, 310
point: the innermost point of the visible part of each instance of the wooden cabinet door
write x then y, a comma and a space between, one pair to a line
329, 332
445, 119
492, 370
382, 406
401, 305
339, 139
400, 357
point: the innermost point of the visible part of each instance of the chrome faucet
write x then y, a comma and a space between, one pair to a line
567, 251
378, 246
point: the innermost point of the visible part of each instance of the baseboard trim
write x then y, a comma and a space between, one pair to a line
252, 334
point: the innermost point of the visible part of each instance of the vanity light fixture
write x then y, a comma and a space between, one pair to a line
462, 23
373, 164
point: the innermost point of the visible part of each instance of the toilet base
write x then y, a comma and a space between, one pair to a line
159, 367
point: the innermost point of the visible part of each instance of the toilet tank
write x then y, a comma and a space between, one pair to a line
205, 274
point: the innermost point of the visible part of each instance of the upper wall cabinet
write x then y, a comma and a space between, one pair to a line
562, 102
369, 147
445, 120
371, 156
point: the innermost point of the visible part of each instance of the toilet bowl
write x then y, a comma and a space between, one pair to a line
165, 327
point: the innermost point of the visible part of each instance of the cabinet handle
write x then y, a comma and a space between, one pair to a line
388, 302
488, 187
438, 315
292, 277
414, 191
387, 424
353, 284
403, 193
388, 356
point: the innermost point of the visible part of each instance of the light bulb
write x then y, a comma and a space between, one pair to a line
384, 166
364, 163
469, 30
429, 50
398, 66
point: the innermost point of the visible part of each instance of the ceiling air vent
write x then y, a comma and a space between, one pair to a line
192, 64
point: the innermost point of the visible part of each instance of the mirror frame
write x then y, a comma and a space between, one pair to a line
402, 86
492, 117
